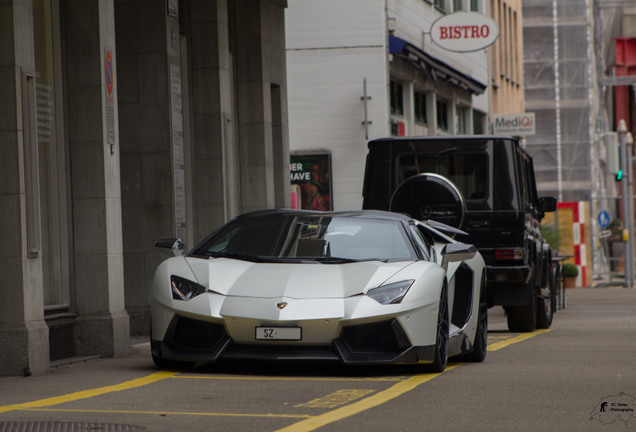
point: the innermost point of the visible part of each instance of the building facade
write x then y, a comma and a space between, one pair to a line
506, 86
365, 69
562, 90
122, 122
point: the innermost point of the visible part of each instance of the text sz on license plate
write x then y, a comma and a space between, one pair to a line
279, 333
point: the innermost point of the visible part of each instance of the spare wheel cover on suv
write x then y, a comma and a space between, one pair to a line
429, 196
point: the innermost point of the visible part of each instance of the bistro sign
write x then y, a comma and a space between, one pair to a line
464, 31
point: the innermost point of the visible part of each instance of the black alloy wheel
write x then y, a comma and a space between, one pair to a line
479, 349
547, 305
523, 319
440, 359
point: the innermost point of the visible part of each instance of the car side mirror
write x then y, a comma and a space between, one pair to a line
547, 204
176, 245
455, 252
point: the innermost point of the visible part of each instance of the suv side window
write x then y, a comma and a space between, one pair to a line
504, 189
528, 190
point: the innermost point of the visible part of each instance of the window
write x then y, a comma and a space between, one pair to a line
281, 238
442, 114
467, 170
420, 107
50, 170
479, 123
440, 5
397, 98
458, 5
421, 241
462, 120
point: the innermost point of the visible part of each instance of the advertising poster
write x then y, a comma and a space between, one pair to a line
310, 176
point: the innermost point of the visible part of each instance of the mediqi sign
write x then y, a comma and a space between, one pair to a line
522, 124
464, 31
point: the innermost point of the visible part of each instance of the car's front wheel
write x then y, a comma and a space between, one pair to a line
440, 359
478, 352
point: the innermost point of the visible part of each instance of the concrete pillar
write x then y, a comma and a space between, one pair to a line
260, 73
102, 325
23, 332
143, 41
215, 157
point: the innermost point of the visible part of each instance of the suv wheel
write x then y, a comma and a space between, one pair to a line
523, 319
545, 306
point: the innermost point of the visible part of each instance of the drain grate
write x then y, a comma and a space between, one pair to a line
51, 426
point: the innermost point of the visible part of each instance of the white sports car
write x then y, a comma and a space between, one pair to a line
364, 287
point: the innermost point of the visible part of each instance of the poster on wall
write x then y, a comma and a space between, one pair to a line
310, 176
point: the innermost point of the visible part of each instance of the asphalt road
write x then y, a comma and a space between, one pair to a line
578, 376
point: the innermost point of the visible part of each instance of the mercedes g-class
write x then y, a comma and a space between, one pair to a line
492, 196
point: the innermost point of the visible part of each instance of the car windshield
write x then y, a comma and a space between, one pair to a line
326, 239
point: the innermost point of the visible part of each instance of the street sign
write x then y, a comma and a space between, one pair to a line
605, 234
603, 219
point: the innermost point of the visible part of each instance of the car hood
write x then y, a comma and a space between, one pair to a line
302, 281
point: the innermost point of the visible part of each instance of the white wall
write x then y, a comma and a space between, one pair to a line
331, 47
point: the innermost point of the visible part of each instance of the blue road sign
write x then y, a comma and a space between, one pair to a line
603, 219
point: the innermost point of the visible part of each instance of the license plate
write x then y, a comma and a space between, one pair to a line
278, 333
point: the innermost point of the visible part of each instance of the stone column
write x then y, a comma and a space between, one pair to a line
24, 337
102, 325
261, 84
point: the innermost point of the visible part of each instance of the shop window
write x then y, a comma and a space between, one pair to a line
50, 169
442, 114
397, 98
420, 107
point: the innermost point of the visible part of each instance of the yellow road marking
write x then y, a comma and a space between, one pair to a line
309, 423
357, 407
175, 413
392, 392
524, 336
85, 394
336, 399
330, 379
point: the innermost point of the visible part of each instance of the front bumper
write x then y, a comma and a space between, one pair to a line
382, 342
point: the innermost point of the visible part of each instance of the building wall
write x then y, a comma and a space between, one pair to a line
152, 124
23, 332
506, 58
560, 88
332, 47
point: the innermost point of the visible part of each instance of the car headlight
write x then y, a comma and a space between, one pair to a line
391, 293
184, 289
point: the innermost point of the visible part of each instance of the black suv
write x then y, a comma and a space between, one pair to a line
486, 187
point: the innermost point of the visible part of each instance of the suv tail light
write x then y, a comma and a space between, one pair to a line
509, 254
